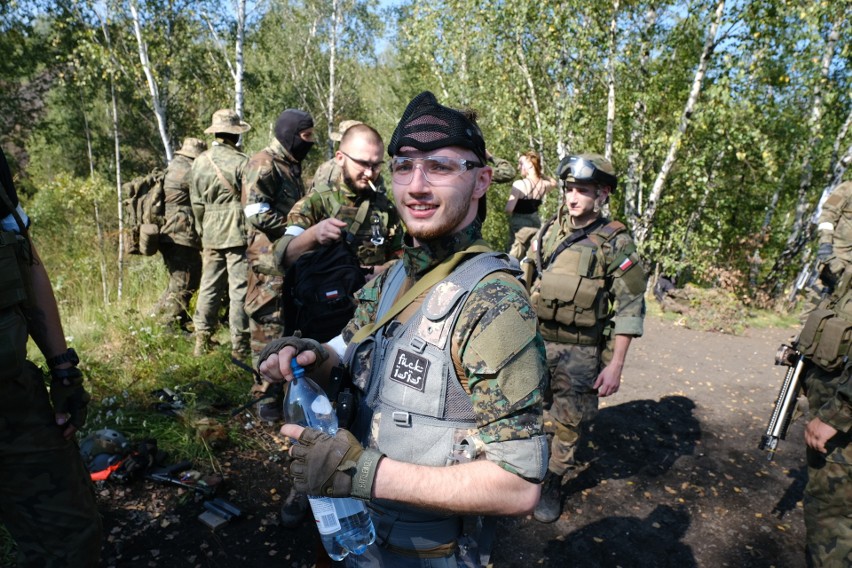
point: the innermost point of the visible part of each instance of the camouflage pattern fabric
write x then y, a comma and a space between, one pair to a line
572, 402
179, 222
503, 170
312, 209
522, 228
271, 187
507, 400
47, 501
828, 493
835, 226
223, 269
215, 192
184, 266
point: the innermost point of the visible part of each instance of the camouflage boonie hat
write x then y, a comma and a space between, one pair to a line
342, 128
192, 147
227, 120
587, 168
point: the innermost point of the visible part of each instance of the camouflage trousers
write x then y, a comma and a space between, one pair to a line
264, 310
47, 502
184, 266
223, 269
570, 402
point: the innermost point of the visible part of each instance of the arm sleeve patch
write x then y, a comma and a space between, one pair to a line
496, 344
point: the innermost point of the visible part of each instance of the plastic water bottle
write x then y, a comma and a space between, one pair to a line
344, 524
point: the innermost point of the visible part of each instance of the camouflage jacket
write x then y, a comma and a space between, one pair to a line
830, 400
215, 192
504, 172
835, 224
179, 221
270, 189
328, 191
620, 302
497, 350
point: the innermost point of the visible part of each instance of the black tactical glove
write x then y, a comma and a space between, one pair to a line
68, 395
825, 252
333, 466
299, 343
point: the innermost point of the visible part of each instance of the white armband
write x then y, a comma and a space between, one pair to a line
256, 208
825, 226
294, 231
338, 346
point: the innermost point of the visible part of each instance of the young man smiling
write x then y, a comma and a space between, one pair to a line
589, 296
448, 337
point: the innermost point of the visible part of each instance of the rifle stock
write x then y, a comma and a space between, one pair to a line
785, 404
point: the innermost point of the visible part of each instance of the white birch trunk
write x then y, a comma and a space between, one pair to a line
644, 227
533, 95
332, 62
159, 111
238, 58
95, 206
610, 100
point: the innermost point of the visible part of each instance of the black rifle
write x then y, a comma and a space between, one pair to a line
785, 404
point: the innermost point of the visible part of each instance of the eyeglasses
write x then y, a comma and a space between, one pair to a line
436, 169
373, 166
579, 169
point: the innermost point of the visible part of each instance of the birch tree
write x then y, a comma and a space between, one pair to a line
645, 224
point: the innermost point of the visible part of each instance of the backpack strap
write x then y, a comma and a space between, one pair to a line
332, 207
221, 176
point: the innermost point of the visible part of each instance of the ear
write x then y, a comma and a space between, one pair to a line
483, 181
603, 194
339, 158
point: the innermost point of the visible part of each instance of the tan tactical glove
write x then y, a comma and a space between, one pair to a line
333, 466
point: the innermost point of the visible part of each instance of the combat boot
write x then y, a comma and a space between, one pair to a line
202, 343
549, 507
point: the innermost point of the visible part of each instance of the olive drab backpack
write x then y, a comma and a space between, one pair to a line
826, 337
144, 208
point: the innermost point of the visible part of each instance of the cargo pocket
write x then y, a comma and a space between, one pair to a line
586, 302
833, 345
809, 337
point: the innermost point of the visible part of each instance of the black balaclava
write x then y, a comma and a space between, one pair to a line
287, 128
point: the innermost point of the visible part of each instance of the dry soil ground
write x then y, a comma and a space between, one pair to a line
674, 479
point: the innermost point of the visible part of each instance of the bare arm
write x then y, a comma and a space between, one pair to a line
43, 320
516, 193
609, 379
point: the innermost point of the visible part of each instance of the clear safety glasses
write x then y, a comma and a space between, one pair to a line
436, 169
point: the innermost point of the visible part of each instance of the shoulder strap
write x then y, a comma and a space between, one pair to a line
434, 276
360, 216
220, 175
329, 202
574, 237
13, 210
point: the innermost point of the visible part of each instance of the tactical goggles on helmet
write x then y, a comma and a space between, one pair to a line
436, 169
580, 169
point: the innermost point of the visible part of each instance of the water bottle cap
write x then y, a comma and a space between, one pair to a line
298, 370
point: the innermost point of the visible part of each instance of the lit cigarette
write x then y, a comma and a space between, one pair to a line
371, 184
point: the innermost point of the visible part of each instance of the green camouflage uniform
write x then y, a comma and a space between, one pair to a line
215, 194
270, 189
47, 502
828, 494
314, 207
577, 354
503, 170
179, 243
835, 226
496, 323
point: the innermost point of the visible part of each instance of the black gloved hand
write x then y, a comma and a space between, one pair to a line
825, 252
333, 466
68, 395
297, 342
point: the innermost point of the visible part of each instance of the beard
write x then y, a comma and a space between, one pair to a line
449, 218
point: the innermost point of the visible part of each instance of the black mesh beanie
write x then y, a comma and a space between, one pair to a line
427, 125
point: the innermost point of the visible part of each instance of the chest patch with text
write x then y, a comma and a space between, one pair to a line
410, 370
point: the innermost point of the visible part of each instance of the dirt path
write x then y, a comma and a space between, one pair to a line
675, 479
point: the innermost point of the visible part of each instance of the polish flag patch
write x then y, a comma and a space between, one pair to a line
332, 294
625, 264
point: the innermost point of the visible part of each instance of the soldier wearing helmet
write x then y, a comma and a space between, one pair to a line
588, 292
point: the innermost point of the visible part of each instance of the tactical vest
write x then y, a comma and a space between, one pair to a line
372, 238
15, 293
570, 295
413, 407
826, 338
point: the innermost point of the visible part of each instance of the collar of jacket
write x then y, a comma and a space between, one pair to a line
420, 259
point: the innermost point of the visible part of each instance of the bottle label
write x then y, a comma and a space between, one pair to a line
324, 515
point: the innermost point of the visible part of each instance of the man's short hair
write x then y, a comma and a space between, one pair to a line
364, 130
